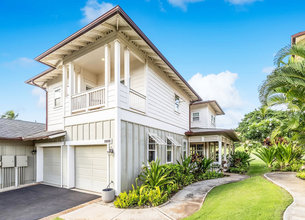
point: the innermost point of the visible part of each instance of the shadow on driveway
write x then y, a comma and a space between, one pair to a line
38, 201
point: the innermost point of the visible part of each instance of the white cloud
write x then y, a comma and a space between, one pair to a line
93, 9
41, 97
241, 2
182, 3
221, 87
268, 69
20, 62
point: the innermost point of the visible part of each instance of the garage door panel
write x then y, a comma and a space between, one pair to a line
51, 165
91, 167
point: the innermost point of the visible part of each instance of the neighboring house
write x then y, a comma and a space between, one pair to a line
116, 103
17, 155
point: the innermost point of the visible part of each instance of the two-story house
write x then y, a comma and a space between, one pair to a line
114, 103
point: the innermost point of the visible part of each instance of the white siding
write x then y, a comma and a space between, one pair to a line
55, 114
134, 150
161, 99
205, 113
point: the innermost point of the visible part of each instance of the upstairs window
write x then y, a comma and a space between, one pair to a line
177, 103
169, 151
213, 119
57, 97
195, 116
151, 149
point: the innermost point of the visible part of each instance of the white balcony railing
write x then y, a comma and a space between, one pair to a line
137, 101
92, 99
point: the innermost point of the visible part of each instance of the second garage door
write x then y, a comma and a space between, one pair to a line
91, 167
51, 165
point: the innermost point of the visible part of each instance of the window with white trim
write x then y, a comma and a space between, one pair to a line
177, 103
195, 116
169, 151
184, 150
213, 119
151, 149
57, 97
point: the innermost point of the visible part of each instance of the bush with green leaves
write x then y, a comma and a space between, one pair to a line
267, 155
159, 182
155, 175
239, 162
282, 156
301, 175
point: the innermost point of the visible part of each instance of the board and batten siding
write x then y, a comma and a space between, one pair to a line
90, 131
55, 114
160, 100
21, 148
134, 139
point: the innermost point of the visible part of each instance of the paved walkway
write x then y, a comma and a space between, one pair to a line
296, 187
181, 205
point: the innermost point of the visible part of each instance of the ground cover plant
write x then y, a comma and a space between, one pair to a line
157, 183
301, 175
254, 198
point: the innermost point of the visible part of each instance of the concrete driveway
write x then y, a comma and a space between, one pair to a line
38, 201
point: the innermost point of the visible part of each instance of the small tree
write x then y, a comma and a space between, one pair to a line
9, 115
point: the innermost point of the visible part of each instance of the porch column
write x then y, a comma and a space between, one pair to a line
64, 88
71, 83
117, 70
208, 149
39, 164
219, 152
126, 66
70, 167
225, 152
107, 64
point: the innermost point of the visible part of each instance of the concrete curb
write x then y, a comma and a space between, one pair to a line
285, 217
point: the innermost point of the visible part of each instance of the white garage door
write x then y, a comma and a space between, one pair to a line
51, 165
91, 167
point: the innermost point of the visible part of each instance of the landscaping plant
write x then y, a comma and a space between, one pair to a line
239, 162
301, 175
266, 154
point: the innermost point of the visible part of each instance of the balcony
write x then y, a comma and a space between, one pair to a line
89, 100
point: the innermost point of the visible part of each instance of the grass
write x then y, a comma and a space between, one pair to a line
253, 198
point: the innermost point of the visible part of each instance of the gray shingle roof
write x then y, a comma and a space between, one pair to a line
45, 135
16, 129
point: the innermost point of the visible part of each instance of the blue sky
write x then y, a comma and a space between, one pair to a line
224, 48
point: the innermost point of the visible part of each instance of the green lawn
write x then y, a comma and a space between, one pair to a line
253, 198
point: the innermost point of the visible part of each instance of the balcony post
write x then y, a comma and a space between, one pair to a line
126, 66
107, 71
71, 83
117, 70
64, 88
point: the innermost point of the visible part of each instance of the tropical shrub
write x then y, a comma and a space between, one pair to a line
301, 175
155, 175
141, 196
267, 155
202, 164
239, 162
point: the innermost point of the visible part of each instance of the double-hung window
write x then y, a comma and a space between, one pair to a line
195, 116
177, 103
57, 97
169, 151
213, 119
151, 149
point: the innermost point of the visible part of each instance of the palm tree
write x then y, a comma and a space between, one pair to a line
9, 115
286, 85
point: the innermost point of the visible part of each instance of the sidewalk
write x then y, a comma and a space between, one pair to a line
181, 205
296, 187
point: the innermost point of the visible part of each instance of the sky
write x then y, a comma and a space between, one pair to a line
223, 48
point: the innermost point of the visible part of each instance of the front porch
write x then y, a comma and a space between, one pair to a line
212, 143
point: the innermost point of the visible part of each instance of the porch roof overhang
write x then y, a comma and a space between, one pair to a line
230, 133
113, 23
45, 135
